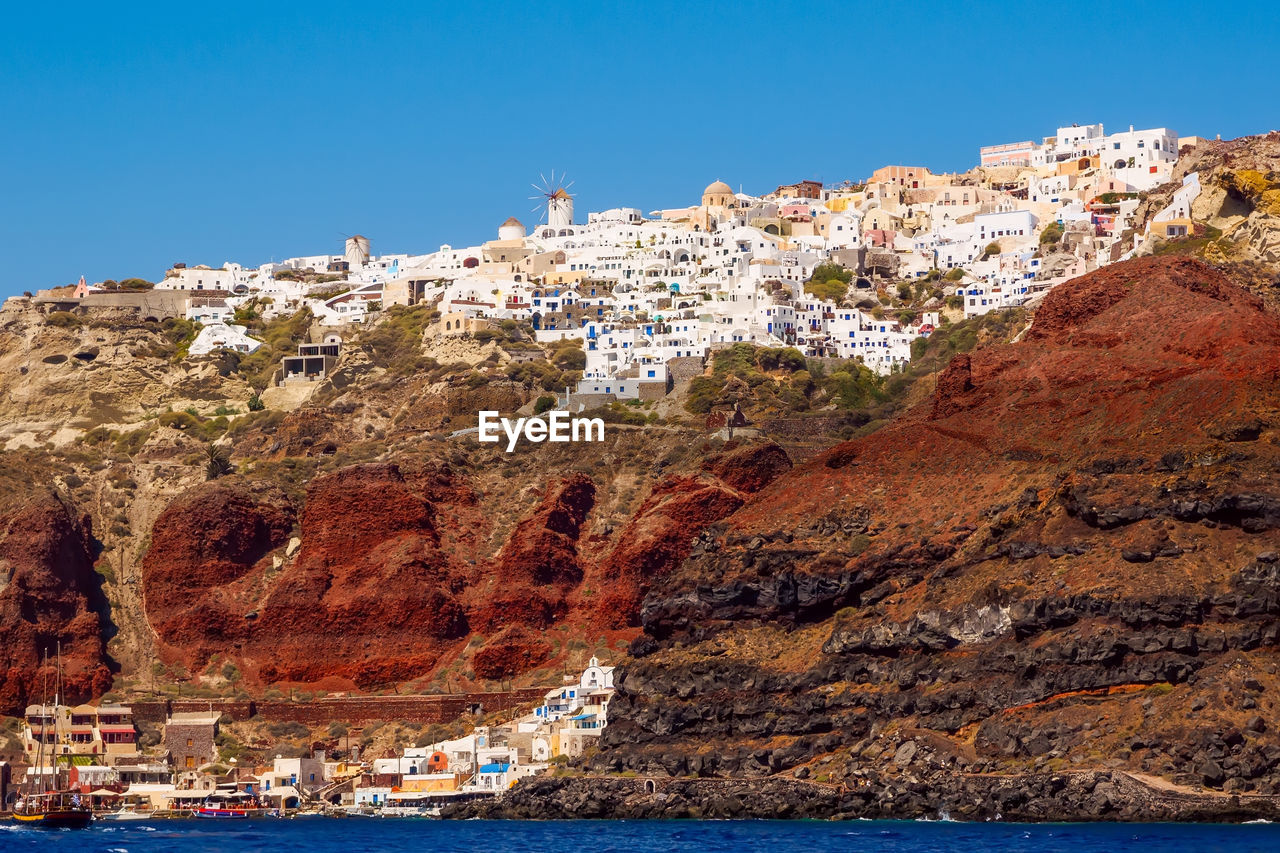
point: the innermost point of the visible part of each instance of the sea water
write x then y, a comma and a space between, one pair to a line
345, 835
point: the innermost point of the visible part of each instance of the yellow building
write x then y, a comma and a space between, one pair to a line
431, 782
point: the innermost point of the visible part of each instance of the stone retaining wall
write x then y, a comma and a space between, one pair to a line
438, 708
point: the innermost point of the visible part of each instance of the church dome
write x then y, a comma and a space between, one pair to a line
512, 229
718, 188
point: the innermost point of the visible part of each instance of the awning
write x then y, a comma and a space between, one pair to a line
584, 717
117, 729
103, 792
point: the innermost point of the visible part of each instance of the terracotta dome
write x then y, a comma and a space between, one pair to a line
717, 188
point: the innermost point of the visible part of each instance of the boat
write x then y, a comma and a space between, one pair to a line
215, 813
126, 813
220, 808
219, 813
55, 808
52, 810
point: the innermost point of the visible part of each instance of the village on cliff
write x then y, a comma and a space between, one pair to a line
649, 297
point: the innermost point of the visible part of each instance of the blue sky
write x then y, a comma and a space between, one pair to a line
139, 135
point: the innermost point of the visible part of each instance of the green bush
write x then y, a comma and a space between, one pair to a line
395, 343
788, 359
180, 420
568, 355
829, 271
832, 290
954, 274
217, 462
62, 320
543, 403
829, 282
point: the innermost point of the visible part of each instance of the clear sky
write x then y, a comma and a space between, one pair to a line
136, 135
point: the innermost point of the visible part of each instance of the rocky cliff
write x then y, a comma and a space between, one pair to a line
381, 573
1066, 559
1061, 561
50, 598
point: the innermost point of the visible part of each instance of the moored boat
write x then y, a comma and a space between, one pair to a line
219, 813
53, 810
127, 813
222, 807
55, 807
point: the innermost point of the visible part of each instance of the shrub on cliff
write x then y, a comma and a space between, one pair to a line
540, 374
396, 342
62, 320
218, 464
832, 290
568, 355
788, 358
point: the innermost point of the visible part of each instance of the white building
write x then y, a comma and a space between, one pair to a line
227, 336
199, 278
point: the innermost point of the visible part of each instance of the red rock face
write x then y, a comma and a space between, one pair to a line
1134, 360
371, 595
206, 559
750, 468
49, 594
1053, 525
539, 564
513, 651
661, 533
389, 579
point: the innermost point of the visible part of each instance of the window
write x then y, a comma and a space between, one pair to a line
190, 741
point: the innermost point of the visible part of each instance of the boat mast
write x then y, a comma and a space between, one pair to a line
44, 715
57, 707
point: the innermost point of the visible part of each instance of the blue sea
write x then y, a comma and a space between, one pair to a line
344, 835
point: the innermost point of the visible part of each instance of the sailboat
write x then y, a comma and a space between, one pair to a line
58, 808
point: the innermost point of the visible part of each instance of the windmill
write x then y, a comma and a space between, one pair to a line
553, 201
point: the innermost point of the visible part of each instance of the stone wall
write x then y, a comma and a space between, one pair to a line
802, 428
439, 708
685, 367
589, 401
